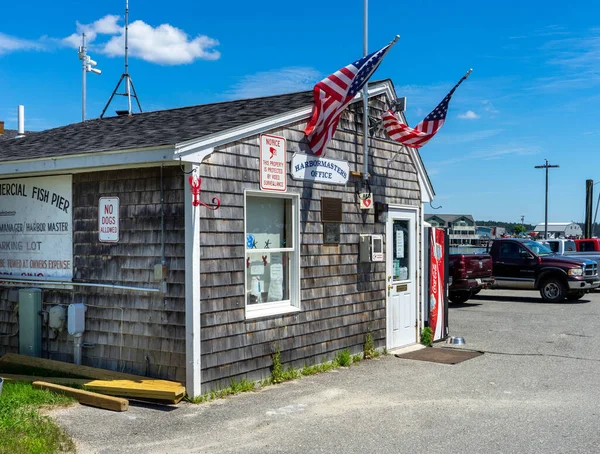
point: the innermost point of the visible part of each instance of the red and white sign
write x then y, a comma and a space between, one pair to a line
273, 175
108, 219
366, 201
436, 283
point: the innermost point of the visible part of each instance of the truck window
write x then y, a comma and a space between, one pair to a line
569, 246
509, 251
552, 245
586, 246
537, 248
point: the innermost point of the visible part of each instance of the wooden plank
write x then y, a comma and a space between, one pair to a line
146, 390
86, 397
56, 380
74, 369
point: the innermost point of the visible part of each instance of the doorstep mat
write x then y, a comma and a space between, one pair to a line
440, 355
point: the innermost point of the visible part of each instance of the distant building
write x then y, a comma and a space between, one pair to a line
559, 229
461, 227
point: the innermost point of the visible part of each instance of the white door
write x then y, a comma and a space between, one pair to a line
401, 262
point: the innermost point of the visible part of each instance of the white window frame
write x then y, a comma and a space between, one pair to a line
279, 307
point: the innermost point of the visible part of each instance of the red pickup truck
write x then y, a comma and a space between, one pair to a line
468, 274
588, 245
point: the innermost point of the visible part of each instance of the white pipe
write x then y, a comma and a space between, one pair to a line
21, 120
16, 282
77, 349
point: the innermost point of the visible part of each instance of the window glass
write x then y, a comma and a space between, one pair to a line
267, 277
401, 251
271, 259
268, 223
509, 251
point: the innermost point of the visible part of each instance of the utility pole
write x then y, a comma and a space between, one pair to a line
546, 166
589, 201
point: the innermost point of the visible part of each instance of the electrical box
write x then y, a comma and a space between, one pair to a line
30, 322
371, 248
56, 318
76, 319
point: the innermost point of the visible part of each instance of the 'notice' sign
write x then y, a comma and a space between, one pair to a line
273, 176
108, 219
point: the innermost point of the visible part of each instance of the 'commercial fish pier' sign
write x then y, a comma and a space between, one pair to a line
318, 169
36, 228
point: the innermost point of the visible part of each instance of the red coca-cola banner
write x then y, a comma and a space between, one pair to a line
436, 283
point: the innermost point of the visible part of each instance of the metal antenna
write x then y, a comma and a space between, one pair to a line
87, 67
128, 82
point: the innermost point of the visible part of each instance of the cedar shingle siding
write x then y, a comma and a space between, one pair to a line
142, 333
341, 299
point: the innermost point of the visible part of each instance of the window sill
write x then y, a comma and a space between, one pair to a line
269, 309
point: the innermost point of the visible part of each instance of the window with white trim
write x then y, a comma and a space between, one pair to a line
272, 253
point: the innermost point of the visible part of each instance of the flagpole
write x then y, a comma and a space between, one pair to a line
366, 95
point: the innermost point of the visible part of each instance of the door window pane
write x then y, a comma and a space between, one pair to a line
401, 250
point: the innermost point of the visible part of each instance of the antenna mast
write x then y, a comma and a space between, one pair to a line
128, 82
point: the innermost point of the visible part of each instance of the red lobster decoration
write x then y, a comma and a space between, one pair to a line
195, 183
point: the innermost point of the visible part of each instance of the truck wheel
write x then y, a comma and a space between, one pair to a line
553, 290
575, 296
459, 297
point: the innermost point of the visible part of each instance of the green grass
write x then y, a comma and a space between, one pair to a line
236, 387
342, 358
22, 429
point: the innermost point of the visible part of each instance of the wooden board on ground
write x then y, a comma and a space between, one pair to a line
67, 368
55, 380
86, 397
144, 388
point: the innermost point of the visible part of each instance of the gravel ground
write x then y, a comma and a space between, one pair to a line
535, 390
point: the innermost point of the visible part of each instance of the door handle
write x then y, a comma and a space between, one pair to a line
390, 287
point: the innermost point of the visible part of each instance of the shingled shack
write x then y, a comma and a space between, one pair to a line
118, 214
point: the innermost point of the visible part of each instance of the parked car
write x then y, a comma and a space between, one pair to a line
468, 275
527, 264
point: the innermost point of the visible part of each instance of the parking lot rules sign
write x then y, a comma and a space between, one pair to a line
273, 176
108, 219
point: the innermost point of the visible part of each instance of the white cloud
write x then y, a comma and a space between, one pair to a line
469, 115
285, 80
10, 44
164, 44
105, 26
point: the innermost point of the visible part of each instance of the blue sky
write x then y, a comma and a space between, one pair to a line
532, 94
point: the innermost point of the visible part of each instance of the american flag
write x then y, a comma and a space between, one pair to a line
421, 134
334, 93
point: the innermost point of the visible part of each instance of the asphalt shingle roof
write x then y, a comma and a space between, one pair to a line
165, 127
11, 134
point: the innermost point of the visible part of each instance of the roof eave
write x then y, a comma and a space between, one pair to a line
85, 161
196, 150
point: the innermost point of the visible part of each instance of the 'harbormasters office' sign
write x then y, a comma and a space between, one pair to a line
36, 238
320, 170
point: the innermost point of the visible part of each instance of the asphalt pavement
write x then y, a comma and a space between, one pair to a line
535, 390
